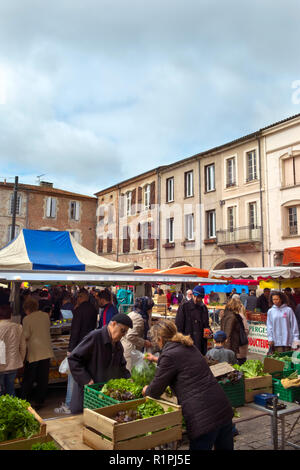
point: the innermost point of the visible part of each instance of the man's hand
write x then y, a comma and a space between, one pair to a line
91, 382
144, 390
147, 344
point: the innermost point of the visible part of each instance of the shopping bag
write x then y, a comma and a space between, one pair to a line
2, 352
64, 366
142, 371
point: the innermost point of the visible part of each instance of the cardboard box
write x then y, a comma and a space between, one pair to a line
102, 432
257, 385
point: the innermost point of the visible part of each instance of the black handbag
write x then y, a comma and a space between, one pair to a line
243, 336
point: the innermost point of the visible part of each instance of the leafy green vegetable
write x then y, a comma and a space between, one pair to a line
142, 374
122, 385
251, 368
150, 408
45, 446
15, 419
236, 414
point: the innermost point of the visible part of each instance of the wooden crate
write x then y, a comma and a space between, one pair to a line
172, 399
256, 385
6, 445
26, 444
104, 433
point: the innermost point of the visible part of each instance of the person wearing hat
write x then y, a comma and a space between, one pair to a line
137, 337
98, 358
218, 352
192, 319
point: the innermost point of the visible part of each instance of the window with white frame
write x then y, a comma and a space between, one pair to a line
189, 226
170, 189
189, 183
252, 207
18, 204
293, 222
10, 234
211, 224
147, 192
230, 172
210, 178
231, 218
170, 230
291, 171
51, 207
251, 164
128, 202
74, 210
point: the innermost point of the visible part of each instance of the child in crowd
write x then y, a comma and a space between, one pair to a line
218, 352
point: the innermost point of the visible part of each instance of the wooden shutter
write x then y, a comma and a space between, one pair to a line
140, 199
122, 205
150, 235
297, 169
100, 245
126, 239
152, 195
109, 243
133, 202
77, 210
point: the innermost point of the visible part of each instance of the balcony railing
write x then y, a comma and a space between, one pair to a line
249, 234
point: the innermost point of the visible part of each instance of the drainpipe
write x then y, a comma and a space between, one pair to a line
158, 261
118, 223
200, 218
261, 205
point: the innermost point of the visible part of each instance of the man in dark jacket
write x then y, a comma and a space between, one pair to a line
263, 301
84, 319
192, 318
108, 309
99, 358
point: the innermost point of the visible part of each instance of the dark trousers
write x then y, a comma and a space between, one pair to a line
35, 372
220, 438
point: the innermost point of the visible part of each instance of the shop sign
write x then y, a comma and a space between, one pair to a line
258, 338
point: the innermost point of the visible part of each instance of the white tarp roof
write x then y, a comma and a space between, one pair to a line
253, 273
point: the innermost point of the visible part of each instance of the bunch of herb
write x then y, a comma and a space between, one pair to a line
122, 389
143, 373
45, 446
15, 419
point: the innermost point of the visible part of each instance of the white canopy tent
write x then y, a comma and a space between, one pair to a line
278, 272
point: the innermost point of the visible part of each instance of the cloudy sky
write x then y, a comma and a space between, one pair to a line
93, 92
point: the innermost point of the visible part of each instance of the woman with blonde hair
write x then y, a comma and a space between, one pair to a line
243, 349
232, 324
205, 407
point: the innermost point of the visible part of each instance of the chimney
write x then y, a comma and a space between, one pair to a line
46, 184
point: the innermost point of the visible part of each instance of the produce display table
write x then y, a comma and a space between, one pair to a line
291, 408
67, 432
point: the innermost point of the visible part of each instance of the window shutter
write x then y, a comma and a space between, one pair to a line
122, 205
150, 235
140, 199
100, 245
53, 211
48, 207
77, 208
133, 202
152, 195
139, 243
109, 243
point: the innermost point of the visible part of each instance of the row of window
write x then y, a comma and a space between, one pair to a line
51, 207
210, 180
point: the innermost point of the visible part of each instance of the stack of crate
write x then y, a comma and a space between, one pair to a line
160, 304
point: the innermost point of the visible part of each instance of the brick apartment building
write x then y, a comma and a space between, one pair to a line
44, 207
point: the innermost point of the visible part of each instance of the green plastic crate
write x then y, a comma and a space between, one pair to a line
94, 398
286, 394
235, 392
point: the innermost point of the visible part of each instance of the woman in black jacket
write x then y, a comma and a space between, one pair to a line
205, 407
